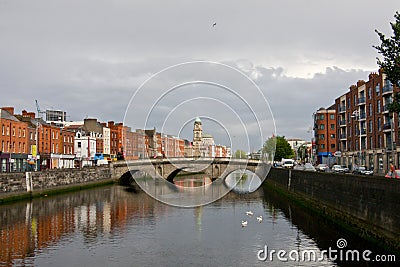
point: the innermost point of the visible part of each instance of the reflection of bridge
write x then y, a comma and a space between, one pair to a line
168, 168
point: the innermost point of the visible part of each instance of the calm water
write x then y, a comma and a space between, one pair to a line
112, 226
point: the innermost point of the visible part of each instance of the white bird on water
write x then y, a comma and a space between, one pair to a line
249, 213
244, 223
259, 219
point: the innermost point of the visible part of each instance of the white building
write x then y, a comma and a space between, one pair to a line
85, 148
106, 140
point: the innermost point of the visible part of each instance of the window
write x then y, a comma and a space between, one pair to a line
355, 100
348, 102
79, 144
379, 141
2, 129
370, 109
322, 146
333, 146
370, 126
370, 142
13, 131
378, 106
322, 136
322, 126
332, 126
332, 136
23, 132
19, 132
321, 116
369, 93
332, 116
379, 124
8, 130
377, 89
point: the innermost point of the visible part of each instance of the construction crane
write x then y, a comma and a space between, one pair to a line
40, 112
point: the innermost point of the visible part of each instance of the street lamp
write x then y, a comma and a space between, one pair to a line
393, 143
356, 115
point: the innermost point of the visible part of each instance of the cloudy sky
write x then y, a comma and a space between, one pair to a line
89, 57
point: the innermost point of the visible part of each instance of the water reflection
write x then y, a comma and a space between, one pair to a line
112, 226
243, 181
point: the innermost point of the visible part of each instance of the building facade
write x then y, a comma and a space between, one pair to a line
197, 137
14, 142
325, 135
368, 134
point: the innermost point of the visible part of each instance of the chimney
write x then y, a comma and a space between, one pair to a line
360, 82
31, 114
110, 124
9, 110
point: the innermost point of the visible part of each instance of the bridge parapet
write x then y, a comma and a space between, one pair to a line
214, 168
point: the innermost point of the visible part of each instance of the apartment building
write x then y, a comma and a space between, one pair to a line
325, 135
367, 133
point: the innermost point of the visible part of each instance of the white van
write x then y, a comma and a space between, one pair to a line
102, 162
287, 163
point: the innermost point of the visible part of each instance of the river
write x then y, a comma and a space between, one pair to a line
117, 226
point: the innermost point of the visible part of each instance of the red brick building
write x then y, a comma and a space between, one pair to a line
14, 142
325, 135
368, 134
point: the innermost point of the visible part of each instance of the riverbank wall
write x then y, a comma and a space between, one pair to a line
16, 186
366, 205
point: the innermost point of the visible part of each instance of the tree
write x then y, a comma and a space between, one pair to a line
390, 50
302, 152
240, 154
279, 147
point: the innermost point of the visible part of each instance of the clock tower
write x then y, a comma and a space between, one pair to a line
197, 137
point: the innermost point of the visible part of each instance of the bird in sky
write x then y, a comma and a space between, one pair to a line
215, 24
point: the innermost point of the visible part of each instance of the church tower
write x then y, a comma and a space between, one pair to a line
197, 137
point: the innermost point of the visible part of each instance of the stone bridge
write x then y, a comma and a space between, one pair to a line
169, 168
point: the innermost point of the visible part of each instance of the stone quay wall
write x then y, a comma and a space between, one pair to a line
12, 184
368, 205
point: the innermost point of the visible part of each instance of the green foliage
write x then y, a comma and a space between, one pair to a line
390, 50
302, 152
279, 147
395, 105
240, 154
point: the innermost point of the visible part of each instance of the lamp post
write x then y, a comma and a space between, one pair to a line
392, 145
356, 116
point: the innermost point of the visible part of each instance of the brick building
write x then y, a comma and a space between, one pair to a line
14, 142
367, 132
325, 135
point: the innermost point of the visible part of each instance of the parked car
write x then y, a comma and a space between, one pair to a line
309, 167
305, 167
340, 169
390, 175
322, 167
362, 170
